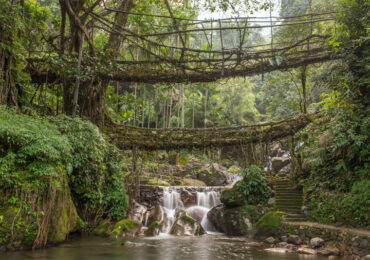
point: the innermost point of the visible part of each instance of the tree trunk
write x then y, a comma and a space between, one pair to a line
182, 105
303, 81
205, 107
135, 106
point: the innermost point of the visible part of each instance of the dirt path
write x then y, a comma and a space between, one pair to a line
363, 232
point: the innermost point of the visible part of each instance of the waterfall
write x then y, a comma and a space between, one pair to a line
205, 199
171, 201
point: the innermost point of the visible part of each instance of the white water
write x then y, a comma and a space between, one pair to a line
171, 201
205, 200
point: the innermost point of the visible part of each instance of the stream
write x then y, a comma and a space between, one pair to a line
164, 247
212, 245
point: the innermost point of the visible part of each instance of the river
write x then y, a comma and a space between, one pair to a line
206, 247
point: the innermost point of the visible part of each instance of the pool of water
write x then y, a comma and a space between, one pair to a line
206, 247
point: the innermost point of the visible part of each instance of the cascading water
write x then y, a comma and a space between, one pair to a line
205, 200
171, 201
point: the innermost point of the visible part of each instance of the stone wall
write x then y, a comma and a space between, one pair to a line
349, 242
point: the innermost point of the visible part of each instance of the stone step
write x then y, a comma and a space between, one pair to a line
288, 204
289, 193
288, 189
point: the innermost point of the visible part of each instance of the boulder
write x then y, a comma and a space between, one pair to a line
279, 250
268, 224
197, 212
316, 242
329, 251
188, 198
270, 240
126, 227
367, 257
232, 221
213, 175
192, 182
136, 212
294, 239
184, 225
279, 162
275, 148
306, 251
271, 202
232, 197
285, 171
157, 221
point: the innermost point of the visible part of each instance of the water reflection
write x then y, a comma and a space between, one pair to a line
207, 247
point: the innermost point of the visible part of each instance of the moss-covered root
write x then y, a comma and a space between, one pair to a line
126, 227
268, 224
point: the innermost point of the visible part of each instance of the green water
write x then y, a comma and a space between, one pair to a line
206, 247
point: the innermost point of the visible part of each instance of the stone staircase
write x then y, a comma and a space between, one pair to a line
289, 200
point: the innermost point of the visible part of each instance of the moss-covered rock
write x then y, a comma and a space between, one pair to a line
185, 225
213, 175
236, 221
103, 228
192, 182
64, 218
232, 197
125, 227
269, 224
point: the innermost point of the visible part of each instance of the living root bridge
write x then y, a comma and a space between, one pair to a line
164, 139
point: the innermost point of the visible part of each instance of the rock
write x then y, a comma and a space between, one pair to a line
364, 243
268, 224
285, 171
232, 221
367, 257
284, 238
316, 242
279, 250
279, 162
103, 228
306, 251
294, 239
232, 197
192, 182
184, 225
271, 202
187, 197
157, 221
328, 251
196, 212
213, 175
282, 244
275, 148
305, 211
292, 247
126, 227
270, 240
254, 243
136, 212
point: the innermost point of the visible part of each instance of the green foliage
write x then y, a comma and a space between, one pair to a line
31, 149
96, 179
253, 186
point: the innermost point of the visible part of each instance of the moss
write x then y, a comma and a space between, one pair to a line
157, 182
102, 229
154, 225
192, 182
64, 219
124, 225
190, 220
269, 223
